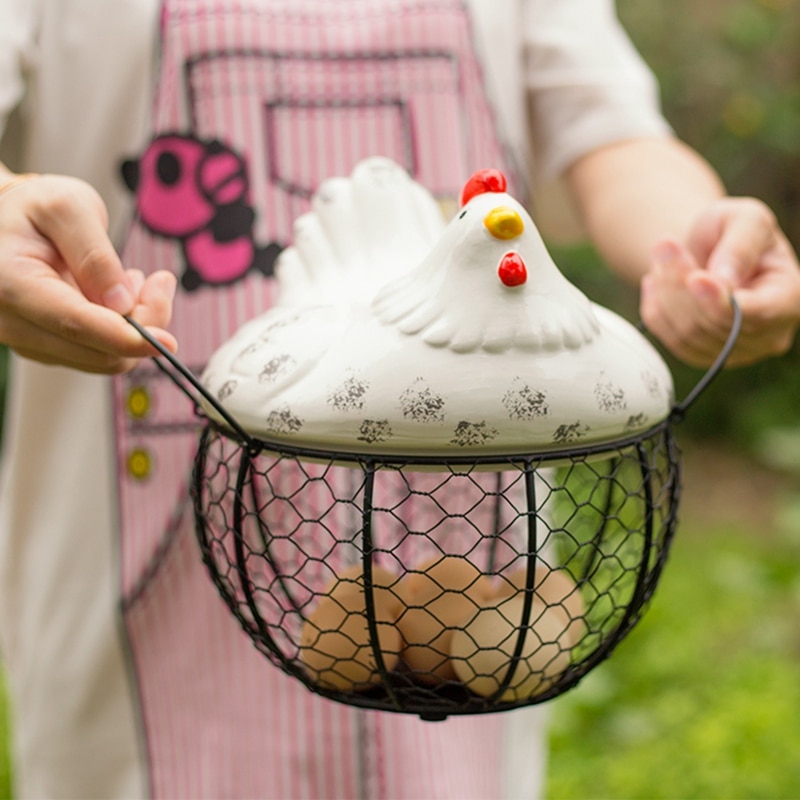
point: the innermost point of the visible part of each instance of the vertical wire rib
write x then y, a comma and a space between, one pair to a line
369, 587
523, 629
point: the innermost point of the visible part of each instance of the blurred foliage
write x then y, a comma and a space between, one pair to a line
730, 78
5, 765
700, 701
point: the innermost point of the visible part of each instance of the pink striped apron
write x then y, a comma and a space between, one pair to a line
257, 102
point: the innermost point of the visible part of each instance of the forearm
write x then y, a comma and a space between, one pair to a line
633, 194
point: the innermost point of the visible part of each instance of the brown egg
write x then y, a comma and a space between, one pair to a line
481, 653
554, 588
335, 646
437, 596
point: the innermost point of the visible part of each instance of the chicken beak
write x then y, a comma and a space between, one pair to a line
504, 223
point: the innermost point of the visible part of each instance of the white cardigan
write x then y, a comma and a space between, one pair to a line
74, 76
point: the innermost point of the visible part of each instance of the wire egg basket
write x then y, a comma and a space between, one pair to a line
435, 586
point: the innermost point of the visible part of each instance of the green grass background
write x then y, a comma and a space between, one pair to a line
701, 701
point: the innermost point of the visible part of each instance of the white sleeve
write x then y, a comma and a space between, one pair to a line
17, 23
587, 84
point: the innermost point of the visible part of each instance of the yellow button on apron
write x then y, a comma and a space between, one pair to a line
140, 464
139, 402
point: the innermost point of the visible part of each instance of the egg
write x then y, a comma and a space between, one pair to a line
481, 652
438, 595
554, 588
335, 646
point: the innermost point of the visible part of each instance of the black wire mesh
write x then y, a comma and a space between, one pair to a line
435, 586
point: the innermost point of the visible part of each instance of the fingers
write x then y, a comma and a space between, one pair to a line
136, 280
84, 335
736, 247
153, 309
672, 261
70, 214
731, 238
688, 307
36, 344
62, 286
685, 307
41, 297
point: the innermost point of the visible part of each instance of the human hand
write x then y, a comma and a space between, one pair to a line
735, 247
63, 289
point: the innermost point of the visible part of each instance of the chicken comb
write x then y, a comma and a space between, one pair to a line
481, 182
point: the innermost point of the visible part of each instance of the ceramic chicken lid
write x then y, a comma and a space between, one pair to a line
398, 334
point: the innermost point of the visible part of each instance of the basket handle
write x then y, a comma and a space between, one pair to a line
188, 383
679, 409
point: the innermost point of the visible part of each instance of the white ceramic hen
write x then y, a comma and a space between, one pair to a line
397, 335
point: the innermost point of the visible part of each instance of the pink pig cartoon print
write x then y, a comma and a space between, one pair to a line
197, 191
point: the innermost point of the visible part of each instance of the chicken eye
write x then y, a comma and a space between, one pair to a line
462, 214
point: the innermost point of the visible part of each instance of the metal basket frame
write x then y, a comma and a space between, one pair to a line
398, 693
